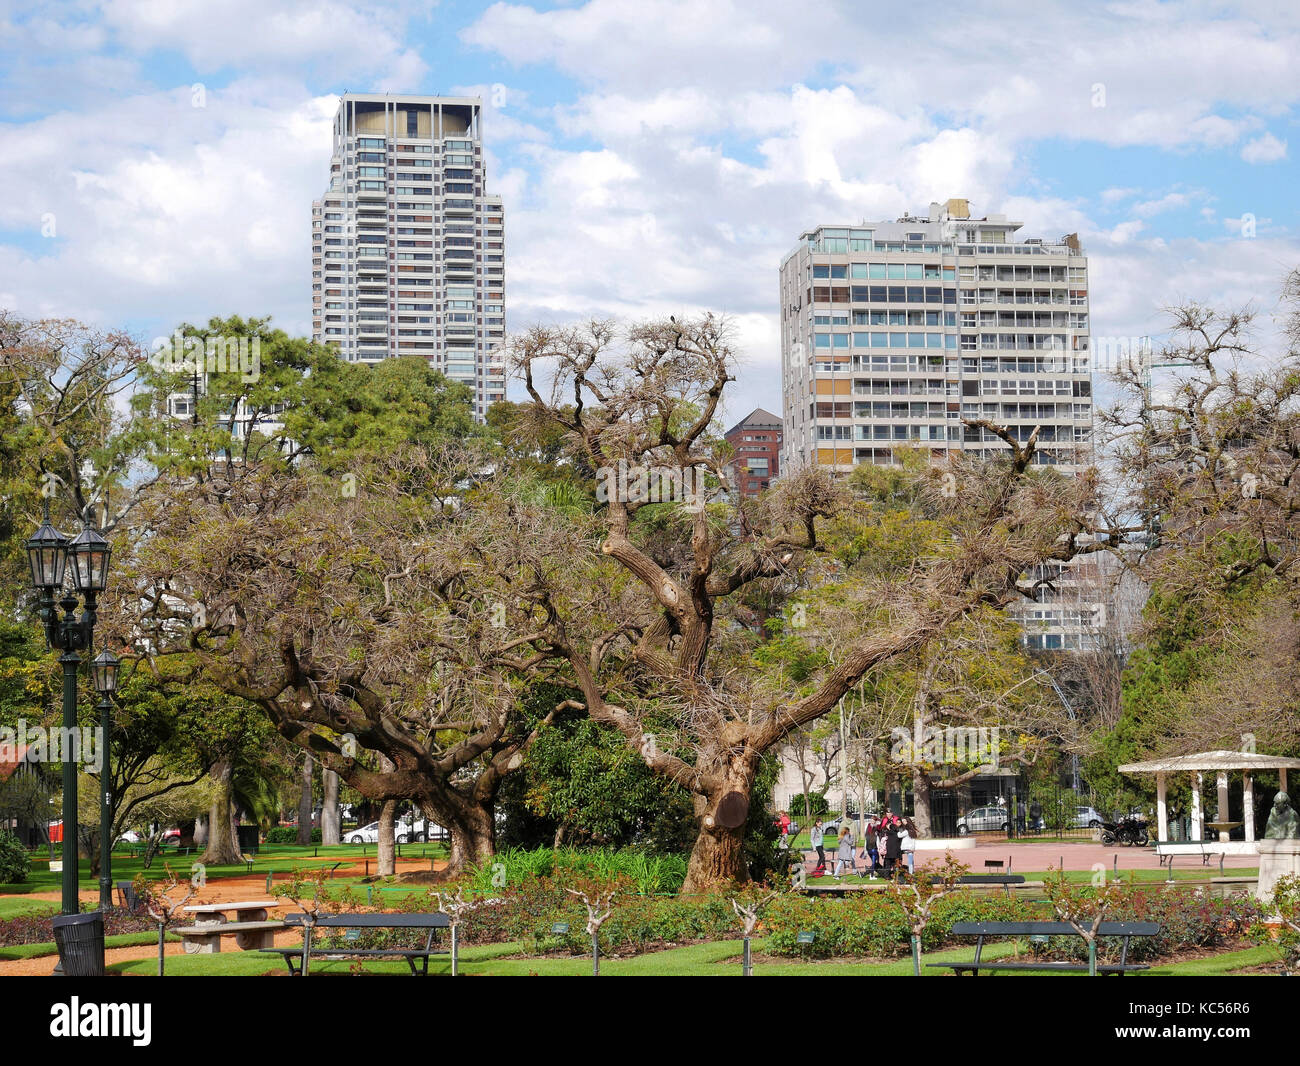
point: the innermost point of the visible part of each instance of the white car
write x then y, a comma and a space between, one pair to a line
1087, 818
405, 834
367, 834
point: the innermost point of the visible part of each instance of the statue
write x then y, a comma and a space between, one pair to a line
1283, 824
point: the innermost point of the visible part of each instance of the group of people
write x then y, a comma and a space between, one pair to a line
890, 840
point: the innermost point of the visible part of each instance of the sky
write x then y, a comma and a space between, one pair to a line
158, 158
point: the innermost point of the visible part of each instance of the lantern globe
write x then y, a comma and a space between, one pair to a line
47, 557
104, 670
89, 553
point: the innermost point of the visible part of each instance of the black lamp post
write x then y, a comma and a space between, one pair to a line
48, 555
104, 673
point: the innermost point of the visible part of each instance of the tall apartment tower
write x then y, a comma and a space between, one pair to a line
893, 332
408, 253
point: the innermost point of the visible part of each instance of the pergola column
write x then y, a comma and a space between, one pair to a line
1221, 803
1198, 828
1248, 805
1162, 807
1281, 778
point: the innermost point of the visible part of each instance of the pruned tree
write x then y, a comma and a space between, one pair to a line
1210, 454
660, 663
355, 619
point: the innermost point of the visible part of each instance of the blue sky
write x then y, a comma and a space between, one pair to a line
657, 156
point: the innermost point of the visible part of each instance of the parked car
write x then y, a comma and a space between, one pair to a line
366, 834
404, 833
1087, 818
983, 818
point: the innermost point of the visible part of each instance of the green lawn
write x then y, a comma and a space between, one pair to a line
721, 958
277, 859
17, 907
123, 940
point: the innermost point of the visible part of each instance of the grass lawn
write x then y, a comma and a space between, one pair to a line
720, 958
123, 940
277, 859
18, 907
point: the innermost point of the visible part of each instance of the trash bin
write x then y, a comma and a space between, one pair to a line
80, 940
248, 841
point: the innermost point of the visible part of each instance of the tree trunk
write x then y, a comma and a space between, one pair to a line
329, 815
717, 860
304, 801
223, 846
473, 836
921, 801
387, 850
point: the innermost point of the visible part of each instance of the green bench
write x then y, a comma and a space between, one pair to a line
356, 924
1002, 930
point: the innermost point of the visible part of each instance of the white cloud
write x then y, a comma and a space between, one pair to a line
1265, 149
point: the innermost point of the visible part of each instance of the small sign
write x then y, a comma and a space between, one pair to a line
56, 866
560, 928
807, 938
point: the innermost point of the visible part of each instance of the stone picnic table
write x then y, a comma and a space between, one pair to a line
251, 928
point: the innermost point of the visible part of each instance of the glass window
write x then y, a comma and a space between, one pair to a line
821, 340
859, 270
915, 272
880, 340
841, 340
840, 271
916, 340
896, 271
821, 270
898, 340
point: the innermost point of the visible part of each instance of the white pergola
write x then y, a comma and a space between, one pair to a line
1220, 763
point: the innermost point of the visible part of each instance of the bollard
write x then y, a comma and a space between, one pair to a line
268, 882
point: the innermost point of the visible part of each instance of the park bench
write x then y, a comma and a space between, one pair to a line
251, 927
1206, 849
1005, 880
1002, 930
131, 902
356, 924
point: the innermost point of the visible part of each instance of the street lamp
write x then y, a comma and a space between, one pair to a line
104, 672
48, 555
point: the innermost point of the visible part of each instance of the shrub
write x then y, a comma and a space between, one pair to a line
14, 860
288, 834
816, 803
645, 873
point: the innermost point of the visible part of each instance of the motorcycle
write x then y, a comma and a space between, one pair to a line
1130, 831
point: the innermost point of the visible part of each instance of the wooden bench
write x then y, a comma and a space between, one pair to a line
355, 924
251, 927
1002, 930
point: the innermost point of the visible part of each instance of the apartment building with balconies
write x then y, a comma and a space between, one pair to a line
900, 334
408, 250
892, 333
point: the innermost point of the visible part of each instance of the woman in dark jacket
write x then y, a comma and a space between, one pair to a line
893, 850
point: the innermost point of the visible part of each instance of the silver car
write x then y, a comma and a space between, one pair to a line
982, 819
